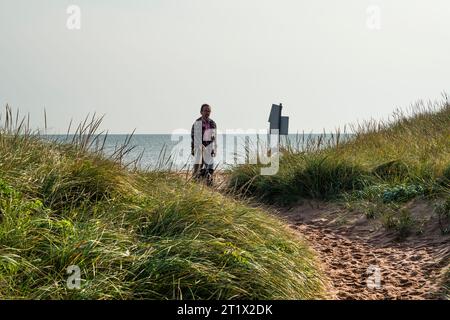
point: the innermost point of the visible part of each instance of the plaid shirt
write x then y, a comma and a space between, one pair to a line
209, 133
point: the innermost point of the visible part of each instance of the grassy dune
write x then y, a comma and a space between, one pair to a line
133, 234
408, 155
378, 170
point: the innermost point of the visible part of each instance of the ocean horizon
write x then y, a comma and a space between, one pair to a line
172, 151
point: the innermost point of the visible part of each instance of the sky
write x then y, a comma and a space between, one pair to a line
150, 65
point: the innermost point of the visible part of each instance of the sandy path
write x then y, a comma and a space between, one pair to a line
361, 259
354, 253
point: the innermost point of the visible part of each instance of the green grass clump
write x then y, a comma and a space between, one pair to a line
445, 180
132, 234
80, 180
402, 193
394, 170
323, 177
400, 221
442, 210
300, 176
389, 193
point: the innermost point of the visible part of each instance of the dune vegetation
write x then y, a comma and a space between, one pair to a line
132, 234
382, 165
137, 234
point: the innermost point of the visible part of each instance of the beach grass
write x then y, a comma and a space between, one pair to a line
390, 161
132, 234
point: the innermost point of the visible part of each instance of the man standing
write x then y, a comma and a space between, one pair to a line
204, 144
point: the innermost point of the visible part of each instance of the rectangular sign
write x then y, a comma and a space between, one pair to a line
284, 125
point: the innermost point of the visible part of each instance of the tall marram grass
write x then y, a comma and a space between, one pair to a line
133, 234
412, 148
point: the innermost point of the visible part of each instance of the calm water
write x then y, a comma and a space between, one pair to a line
165, 150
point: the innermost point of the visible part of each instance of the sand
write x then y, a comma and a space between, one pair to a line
354, 251
364, 261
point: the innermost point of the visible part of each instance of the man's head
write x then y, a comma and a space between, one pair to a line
205, 111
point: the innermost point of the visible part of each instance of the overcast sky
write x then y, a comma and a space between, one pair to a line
150, 64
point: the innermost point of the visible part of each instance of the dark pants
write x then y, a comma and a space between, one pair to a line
203, 170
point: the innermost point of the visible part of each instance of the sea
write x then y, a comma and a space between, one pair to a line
173, 151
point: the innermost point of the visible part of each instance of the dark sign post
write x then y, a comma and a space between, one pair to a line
277, 122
